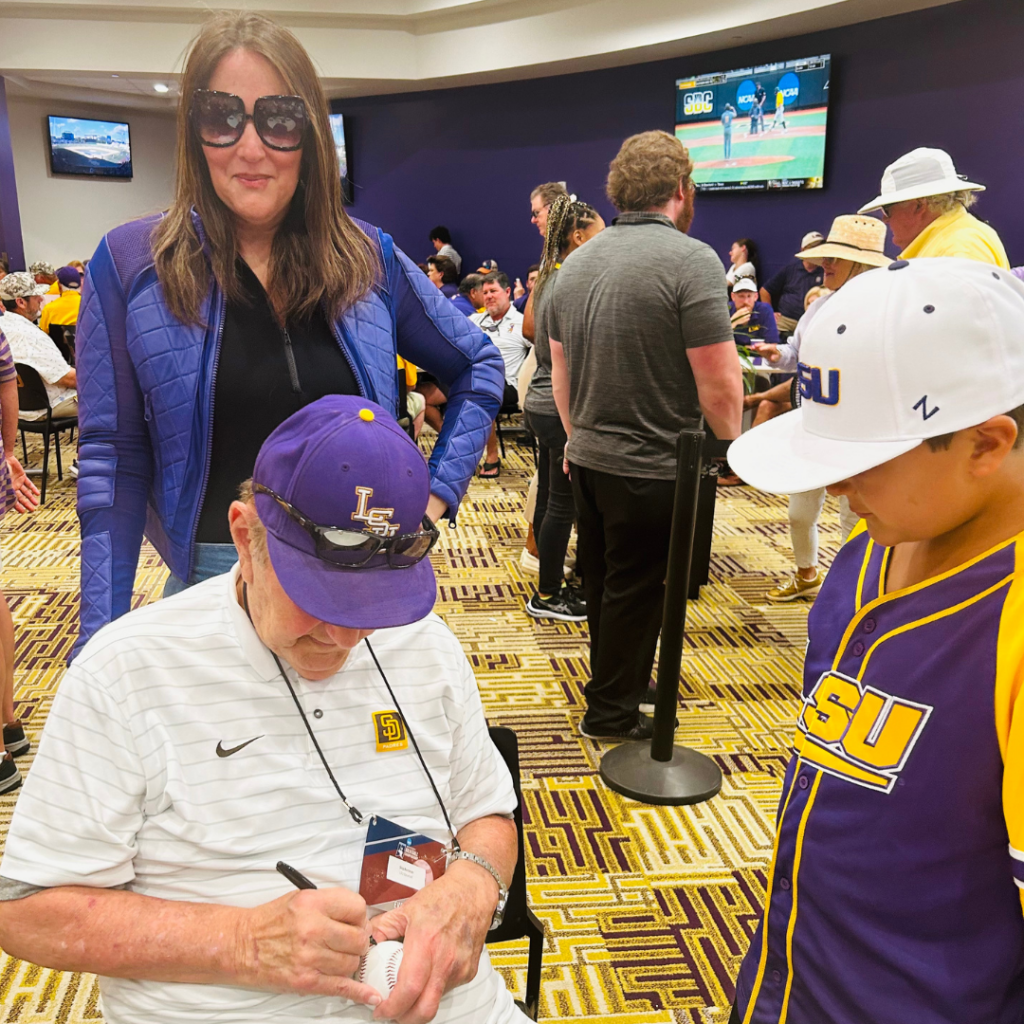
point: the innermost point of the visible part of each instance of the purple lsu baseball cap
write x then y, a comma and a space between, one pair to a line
344, 462
69, 277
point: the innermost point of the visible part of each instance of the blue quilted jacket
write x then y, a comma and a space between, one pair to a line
145, 393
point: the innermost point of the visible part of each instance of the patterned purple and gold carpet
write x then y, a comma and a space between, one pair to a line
648, 910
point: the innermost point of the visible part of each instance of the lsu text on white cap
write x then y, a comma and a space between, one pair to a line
918, 349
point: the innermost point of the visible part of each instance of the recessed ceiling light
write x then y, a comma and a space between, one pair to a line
160, 87
115, 76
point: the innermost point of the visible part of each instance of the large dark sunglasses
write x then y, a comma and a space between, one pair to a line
353, 549
219, 119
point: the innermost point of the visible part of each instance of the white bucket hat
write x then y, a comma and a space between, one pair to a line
882, 369
921, 173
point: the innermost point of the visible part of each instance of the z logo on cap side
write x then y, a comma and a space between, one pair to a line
223, 751
922, 404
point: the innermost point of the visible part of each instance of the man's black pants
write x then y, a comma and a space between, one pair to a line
622, 552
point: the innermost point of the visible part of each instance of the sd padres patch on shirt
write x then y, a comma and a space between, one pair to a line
390, 732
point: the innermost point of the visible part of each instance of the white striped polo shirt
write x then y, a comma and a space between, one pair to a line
128, 788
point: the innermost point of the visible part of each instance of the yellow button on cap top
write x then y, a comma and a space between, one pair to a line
366, 414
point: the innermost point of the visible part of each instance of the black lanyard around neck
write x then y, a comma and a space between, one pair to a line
356, 815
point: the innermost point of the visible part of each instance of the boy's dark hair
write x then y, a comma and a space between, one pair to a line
498, 277
442, 234
449, 275
943, 441
469, 283
532, 267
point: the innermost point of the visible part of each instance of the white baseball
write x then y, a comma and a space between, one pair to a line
379, 968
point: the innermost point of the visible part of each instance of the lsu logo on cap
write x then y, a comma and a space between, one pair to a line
814, 389
378, 520
389, 728
858, 733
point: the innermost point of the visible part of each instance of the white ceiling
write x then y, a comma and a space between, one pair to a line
112, 52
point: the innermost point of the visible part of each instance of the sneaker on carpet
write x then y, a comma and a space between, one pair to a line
643, 730
647, 704
797, 587
531, 563
74, 468
10, 777
15, 740
562, 606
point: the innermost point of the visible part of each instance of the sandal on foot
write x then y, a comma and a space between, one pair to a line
490, 470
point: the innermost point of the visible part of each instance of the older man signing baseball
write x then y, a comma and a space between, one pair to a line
286, 711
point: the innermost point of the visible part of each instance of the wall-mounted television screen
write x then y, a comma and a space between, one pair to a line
338, 131
100, 149
758, 128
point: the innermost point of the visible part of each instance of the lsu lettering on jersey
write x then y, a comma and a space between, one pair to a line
893, 894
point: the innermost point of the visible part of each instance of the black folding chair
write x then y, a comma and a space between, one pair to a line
63, 336
32, 397
510, 409
520, 921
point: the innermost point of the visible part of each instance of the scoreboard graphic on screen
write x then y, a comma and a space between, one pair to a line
758, 128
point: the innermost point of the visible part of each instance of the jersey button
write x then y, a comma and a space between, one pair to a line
317, 713
803, 782
784, 884
777, 976
858, 649
870, 625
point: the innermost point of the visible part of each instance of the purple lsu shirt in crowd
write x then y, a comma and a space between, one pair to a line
893, 891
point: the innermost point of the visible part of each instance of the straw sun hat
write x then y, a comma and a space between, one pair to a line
852, 237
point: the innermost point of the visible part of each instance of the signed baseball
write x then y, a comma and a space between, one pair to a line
379, 968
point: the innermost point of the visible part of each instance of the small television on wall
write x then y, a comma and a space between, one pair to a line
97, 149
756, 129
338, 132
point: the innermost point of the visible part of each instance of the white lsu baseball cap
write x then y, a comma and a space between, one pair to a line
918, 349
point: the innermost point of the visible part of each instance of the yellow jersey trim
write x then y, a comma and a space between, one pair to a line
763, 959
861, 613
934, 617
863, 573
792, 914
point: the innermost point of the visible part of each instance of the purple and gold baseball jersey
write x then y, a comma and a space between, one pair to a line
893, 895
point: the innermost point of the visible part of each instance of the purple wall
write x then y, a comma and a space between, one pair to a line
10, 216
951, 77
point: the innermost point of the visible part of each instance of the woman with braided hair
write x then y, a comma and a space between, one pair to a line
570, 223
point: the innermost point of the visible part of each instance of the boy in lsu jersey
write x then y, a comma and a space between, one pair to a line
892, 896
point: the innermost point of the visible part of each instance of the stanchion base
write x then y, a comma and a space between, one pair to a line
688, 778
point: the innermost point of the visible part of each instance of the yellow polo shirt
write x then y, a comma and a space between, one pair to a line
63, 311
959, 233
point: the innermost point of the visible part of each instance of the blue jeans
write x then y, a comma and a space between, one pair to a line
211, 560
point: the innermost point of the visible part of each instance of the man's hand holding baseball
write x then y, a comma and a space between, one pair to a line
309, 942
444, 925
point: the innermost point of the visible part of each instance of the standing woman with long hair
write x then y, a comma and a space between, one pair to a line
569, 225
254, 295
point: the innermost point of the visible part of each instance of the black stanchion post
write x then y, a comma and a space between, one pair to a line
664, 773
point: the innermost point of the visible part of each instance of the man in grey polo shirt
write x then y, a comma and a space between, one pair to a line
644, 347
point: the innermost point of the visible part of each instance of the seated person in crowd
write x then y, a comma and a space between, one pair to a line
241, 726
22, 299
442, 272
925, 204
786, 290
63, 310
503, 324
470, 299
415, 403
521, 293
752, 320
441, 239
45, 272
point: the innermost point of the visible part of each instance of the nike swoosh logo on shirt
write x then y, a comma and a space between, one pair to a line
222, 752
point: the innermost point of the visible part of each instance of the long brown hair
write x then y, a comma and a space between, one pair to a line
318, 254
564, 217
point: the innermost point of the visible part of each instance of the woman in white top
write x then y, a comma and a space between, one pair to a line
854, 245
